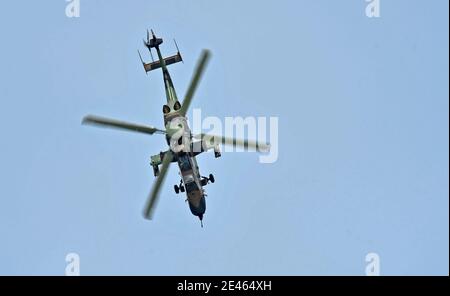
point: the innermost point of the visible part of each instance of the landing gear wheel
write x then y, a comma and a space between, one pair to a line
176, 188
211, 178
182, 188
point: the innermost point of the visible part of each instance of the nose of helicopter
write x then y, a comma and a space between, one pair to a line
199, 208
197, 204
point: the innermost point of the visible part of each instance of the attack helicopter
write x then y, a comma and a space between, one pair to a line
183, 145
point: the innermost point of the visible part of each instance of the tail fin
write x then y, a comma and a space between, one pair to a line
153, 42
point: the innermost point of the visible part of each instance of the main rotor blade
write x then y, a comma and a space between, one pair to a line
154, 194
215, 140
112, 123
201, 65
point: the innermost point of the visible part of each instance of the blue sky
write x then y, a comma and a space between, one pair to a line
363, 138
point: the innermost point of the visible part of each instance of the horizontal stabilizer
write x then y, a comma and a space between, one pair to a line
168, 61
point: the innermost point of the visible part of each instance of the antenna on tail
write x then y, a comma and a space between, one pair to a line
178, 50
142, 61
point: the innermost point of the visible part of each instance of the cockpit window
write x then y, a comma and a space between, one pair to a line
185, 164
191, 186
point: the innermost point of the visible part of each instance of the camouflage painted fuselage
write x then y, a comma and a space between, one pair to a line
187, 162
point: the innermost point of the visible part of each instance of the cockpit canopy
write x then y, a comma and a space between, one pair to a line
185, 163
191, 186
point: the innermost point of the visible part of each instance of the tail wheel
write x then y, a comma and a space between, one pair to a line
211, 178
176, 188
155, 170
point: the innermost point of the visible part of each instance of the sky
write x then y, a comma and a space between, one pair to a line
362, 107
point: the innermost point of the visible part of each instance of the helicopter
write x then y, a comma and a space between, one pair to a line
183, 145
